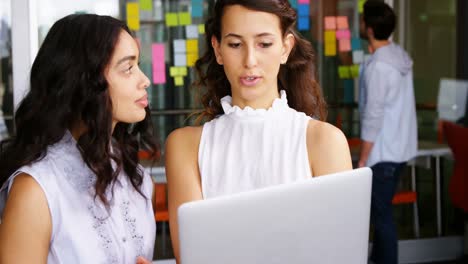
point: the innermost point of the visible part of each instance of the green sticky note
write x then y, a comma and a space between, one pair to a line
185, 18
354, 71
179, 81
146, 5
361, 6
201, 29
344, 72
182, 71
172, 20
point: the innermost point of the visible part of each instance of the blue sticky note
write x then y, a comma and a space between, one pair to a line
356, 44
348, 92
303, 9
197, 10
303, 23
293, 3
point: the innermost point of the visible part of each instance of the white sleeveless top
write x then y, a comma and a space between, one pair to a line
83, 231
247, 149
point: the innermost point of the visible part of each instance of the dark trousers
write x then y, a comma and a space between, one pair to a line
384, 182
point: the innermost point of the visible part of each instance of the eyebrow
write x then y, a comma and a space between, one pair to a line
126, 58
239, 36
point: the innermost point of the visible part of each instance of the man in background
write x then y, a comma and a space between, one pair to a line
388, 122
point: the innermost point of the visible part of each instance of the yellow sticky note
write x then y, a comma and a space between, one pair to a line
146, 5
172, 20
133, 16
201, 29
191, 45
330, 36
344, 72
179, 81
191, 59
361, 6
182, 71
185, 18
330, 49
173, 71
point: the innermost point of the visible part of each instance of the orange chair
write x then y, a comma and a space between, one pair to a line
161, 209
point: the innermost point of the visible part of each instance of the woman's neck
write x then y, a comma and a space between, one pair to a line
255, 101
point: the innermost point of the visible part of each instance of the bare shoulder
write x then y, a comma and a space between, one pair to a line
184, 138
327, 147
320, 132
26, 212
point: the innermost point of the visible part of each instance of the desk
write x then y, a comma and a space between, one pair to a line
427, 150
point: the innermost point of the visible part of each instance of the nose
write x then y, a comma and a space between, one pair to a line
250, 57
145, 82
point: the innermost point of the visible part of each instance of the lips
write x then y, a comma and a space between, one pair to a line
250, 80
143, 101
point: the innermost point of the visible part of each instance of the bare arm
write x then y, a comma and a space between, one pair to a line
26, 225
183, 177
328, 149
365, 151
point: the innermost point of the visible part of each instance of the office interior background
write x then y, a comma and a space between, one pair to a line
171, 37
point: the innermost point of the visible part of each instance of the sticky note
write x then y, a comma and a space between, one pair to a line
330, 36
303, 23
173, 71
146, 5
354, 70
348, 93
343, 72
343, 34
179, 45
344, 45
159, 66
201, 29
185, 18
191, 45
172, 19
330, 23
303, 1
179, 81
330, 48
293, 3
197, 9
191, 31
180, 59
182, 71
303, 10
356, 43
358, 56
191, 59
133, 16
361, 6
342, 22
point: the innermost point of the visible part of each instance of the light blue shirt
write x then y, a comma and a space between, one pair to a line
387, 105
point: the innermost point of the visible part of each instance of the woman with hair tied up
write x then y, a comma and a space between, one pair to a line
71, 188
263, 107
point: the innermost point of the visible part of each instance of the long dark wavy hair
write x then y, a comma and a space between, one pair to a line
297, 77
68, 89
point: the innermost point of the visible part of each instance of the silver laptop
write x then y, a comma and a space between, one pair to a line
319, 220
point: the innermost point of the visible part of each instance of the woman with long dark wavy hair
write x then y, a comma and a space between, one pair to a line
263, 108
72, 190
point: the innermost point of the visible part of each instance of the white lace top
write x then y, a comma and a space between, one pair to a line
246, 149
83, 231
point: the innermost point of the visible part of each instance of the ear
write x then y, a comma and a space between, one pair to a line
215, 44
370, 33
288, 44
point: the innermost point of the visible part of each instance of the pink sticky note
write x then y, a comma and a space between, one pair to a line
343, 34
330, 23
342, 22
303, 1
159, 68
344, 45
